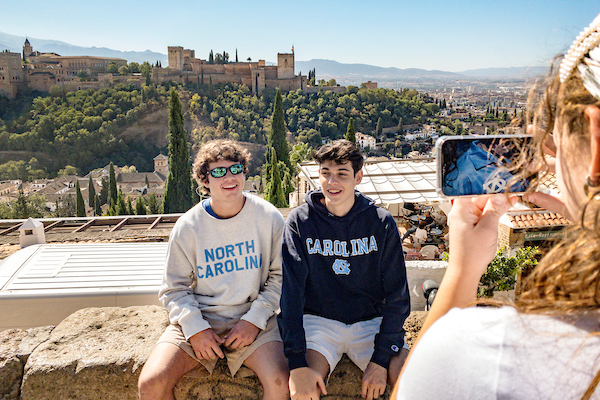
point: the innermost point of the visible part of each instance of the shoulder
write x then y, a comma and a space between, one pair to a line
262, 206
299, 213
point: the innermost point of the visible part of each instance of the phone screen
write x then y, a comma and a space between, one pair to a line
476, 165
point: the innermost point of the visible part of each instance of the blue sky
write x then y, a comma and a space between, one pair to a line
451, 35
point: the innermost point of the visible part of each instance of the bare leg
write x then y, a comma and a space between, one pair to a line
166, 364
270, 365
396, 364
318, 362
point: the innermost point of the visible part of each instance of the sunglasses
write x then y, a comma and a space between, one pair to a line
220, 172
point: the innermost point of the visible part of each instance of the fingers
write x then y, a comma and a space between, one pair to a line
548, 202
497, 206
372, 391
321, 385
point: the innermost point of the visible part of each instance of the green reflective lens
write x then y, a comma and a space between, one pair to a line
220, 172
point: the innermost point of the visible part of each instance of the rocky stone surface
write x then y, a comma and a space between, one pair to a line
95, 353
98, 353
15, 347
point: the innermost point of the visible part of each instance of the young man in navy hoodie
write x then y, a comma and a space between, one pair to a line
344, 282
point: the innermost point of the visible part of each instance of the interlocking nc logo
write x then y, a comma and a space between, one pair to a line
341, 267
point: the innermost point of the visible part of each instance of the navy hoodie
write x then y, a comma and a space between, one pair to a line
348, 269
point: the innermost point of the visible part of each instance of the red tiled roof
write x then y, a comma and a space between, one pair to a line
537, 219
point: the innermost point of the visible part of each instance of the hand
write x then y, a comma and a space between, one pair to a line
241, 335
305, 384
206, 345
374, 381
474, 234
549, 202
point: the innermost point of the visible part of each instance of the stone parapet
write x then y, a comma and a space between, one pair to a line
98, 353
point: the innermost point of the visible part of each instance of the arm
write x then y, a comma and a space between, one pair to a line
390, 338
176, 292
267, 302
295, 273
470, 218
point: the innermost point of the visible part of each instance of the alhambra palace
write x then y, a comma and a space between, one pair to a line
41, 71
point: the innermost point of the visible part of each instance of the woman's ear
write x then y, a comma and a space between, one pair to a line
592, 115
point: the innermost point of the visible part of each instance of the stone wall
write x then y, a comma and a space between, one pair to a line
98, 353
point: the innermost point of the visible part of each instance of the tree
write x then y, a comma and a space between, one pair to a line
104, 191
79, 205
211, 58
274, 188
129, 206
97, 206
67, 170
112, 185
140, 208
236, 56
153, 204
178, 192
379, 128
400, 127
112, 68
350, 133
91, 192
277, 133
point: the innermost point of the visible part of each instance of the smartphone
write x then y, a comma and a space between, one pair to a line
476, 165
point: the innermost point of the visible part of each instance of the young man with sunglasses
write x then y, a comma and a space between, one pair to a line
222, 282
344, 282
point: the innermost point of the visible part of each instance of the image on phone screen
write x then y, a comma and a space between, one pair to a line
480, 165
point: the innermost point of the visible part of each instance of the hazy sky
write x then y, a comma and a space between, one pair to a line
451, 35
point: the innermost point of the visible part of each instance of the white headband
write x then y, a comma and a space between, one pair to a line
585, 55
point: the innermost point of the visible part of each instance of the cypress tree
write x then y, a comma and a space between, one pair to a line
146, 182
104, 192
129, 206
178, 192
91, 192
97, 206
379, 127
140, 207
350, 133
277, 134
201, 76
236, 57
400, 126
274, 189
112, 185
79, 205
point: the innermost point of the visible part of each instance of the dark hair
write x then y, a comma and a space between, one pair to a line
341, 151
215, 150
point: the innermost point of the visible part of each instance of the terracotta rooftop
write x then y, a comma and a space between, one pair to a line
537, 219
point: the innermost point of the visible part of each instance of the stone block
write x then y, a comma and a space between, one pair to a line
95, 353
15, 347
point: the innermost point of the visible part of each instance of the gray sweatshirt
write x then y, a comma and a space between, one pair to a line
224, 268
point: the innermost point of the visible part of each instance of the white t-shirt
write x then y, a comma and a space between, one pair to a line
497, 353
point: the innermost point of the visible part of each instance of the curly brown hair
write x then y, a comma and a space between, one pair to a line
216, 150
567, 279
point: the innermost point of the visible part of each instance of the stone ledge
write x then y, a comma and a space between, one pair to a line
98, 353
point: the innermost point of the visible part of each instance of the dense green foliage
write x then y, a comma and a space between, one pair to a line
501, 273
238, 115
178, 190
78, 128
350, 132
277, 133
79, 203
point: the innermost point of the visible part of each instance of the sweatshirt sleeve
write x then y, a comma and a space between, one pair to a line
390, 338
267, 302
176, 292
295, 273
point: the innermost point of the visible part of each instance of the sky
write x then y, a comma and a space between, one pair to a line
451, 35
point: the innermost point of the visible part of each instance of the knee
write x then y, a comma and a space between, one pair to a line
152, 386
276, 386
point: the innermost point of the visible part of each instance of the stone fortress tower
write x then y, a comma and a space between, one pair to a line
185, 68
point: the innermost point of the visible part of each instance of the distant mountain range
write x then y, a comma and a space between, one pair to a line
325, 69
15, 44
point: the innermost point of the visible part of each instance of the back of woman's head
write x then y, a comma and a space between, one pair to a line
568, 277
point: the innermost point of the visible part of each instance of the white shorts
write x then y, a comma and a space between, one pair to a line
333, 338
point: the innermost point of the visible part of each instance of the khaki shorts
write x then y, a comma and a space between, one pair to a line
235, 358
